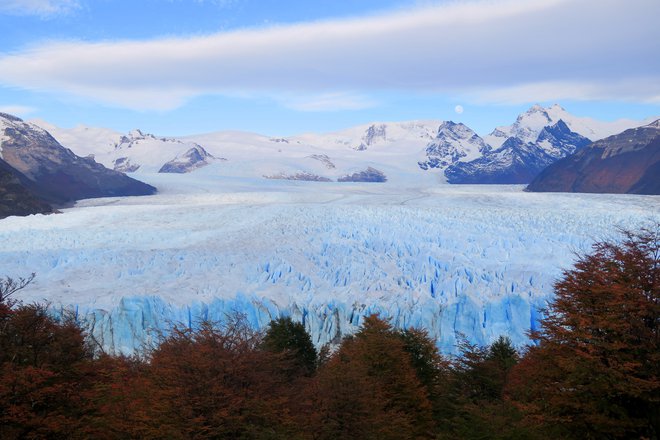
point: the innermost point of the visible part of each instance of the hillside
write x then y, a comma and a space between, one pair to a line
626, 163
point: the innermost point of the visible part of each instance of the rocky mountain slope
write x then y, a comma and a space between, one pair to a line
17, 196
59, 176
194, 158
528, 125
627, 163
453, 143
517, 161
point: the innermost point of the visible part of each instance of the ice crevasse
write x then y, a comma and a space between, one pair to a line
474, 265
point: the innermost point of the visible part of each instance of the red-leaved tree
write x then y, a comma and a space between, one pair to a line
594, 373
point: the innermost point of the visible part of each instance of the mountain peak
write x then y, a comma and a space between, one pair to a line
10, 117
560, 125
536, 108
654, 124
452, 126
136, 133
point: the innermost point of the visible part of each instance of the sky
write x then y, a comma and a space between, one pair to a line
283, 67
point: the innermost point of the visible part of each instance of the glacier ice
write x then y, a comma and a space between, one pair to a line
478, 261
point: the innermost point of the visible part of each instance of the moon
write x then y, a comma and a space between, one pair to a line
458, 109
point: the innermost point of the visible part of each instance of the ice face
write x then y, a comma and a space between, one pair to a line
477, 261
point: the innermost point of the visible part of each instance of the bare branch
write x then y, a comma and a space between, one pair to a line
9, 286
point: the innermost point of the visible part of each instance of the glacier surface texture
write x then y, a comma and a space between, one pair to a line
478, 261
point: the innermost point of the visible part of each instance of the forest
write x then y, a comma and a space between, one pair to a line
590, 372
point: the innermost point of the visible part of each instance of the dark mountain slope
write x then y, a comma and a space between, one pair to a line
59, 175
16, 195
626, 163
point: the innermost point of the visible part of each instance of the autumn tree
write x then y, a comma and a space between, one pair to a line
369, 389
43, 367
432, 369
291, 338
594, 373
124, 402
218, 383
475, 407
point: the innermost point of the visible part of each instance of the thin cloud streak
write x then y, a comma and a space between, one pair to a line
327, 102
20, 110
483, 49
41, 8
639, 90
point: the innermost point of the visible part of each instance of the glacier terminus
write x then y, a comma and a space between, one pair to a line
473, 261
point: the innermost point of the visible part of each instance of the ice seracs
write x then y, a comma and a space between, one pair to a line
473, 260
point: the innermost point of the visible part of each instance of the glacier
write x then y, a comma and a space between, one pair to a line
473, 261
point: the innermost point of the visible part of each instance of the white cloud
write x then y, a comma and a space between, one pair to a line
42, 8
17, 110
492, 50
327, 102
642, 90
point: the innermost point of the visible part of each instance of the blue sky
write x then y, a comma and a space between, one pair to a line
176, 67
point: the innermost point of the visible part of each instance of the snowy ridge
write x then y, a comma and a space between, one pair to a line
378, 134
529, 125
405, 152
453, 143
194, 158
471, 260
3, 138
83, 140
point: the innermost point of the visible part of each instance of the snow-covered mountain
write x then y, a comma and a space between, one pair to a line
453, 143
144, 152
416, 152
392, 149
191, 160
517, 161
57, 174
559, 141
528, 125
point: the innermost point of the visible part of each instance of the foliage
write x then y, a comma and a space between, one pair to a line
370, 390
219, 384
285, 336
42, 364
595, 371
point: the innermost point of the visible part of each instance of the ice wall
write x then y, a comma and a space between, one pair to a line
478, 262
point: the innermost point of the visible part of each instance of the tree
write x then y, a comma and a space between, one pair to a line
218, 383
476, 407
481, 372
285, 336
432, 369
43, 368
594, 373
8, 287
369, 389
